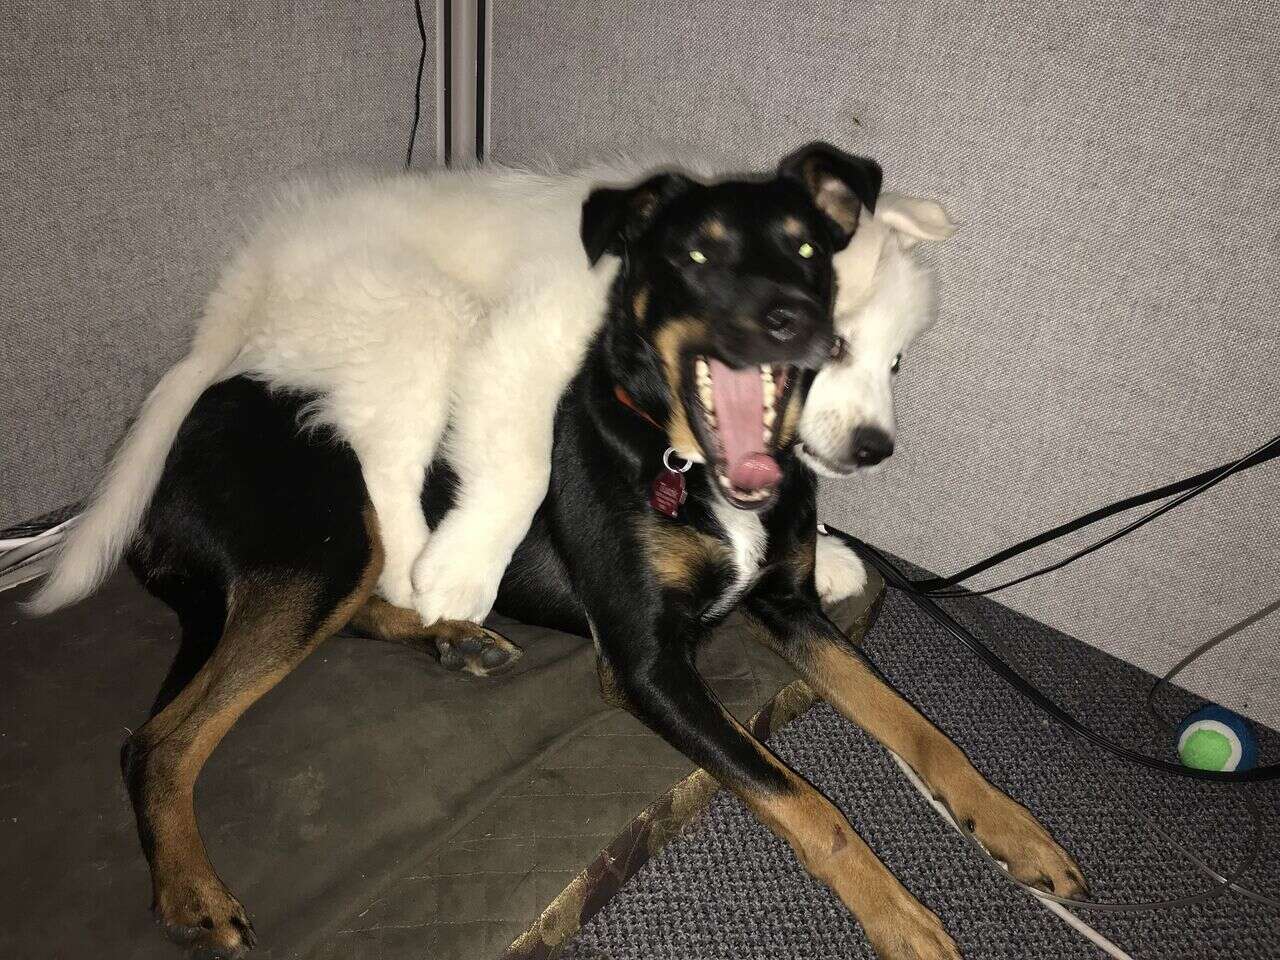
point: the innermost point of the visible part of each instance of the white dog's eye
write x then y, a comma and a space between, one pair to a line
839, 347
697, 256
897, 362
806, 250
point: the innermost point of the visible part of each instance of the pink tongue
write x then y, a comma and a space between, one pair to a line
739, 406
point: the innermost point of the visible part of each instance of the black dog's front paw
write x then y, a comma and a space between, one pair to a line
477, 651
206, 919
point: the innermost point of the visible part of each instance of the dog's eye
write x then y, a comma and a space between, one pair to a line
806, 250
897, 362
697, 256
839, 347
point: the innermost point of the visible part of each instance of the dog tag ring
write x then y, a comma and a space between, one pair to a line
667, 492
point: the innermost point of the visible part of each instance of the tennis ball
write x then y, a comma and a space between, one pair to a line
1214, 738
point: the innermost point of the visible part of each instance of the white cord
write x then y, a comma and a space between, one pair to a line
16, 542
23, 559
1057, 909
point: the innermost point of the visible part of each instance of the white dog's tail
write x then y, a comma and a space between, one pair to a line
95, 544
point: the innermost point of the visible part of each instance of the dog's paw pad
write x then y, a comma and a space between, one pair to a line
481, 654
210, 922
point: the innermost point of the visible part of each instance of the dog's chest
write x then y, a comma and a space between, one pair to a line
748, 543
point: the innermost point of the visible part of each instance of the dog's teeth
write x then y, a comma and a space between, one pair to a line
766, 378
724, 481
770, 415
705, 395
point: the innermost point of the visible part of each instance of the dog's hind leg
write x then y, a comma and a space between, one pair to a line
272, 623
797, 630
459, 645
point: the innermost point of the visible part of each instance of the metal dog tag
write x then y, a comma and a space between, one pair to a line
667, 492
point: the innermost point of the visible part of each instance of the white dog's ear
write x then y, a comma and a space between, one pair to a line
914, 218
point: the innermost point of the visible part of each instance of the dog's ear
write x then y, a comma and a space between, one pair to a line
612, 217
914, 219
839, 183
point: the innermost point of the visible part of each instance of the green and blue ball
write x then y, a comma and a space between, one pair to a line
1214, 738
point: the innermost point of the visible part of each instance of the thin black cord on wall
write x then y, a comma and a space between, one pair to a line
481, 40
417, 85
446, 77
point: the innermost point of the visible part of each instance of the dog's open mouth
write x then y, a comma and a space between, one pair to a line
739, 413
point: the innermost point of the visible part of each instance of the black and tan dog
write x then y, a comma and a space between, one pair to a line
260, 537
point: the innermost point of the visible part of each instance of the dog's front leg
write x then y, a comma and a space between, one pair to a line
662, 688
499, 444
798, 630
456, 576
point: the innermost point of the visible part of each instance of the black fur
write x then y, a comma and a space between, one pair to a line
246, 492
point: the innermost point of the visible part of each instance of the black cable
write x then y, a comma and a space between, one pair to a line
446, 77
895, 579
1193, 486
482, 24
1199, 652
417, 86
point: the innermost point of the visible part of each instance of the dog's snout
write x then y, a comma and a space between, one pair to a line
871, 445
784, 323
792, 318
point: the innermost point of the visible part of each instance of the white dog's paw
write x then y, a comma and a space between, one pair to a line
838, 571
454, 586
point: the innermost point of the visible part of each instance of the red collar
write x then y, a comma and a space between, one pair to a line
625, 399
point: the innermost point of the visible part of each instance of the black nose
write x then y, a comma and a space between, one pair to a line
871, 445
784, 323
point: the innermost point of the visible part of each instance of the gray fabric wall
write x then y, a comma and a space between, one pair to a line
1109, 311
134, 138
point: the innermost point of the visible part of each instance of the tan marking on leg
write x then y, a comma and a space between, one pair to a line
267, 634
385, 621
610, 689
1004, 826
897, 924
827, 845
445, 638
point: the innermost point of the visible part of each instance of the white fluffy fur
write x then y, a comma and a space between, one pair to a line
838, 572
749, 541
885, 301
398, 299
409, 302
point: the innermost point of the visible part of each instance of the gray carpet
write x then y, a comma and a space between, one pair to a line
728, 889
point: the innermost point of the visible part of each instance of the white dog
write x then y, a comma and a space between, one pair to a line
885, 300
412, 303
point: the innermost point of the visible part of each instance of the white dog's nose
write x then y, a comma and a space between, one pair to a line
871, 445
